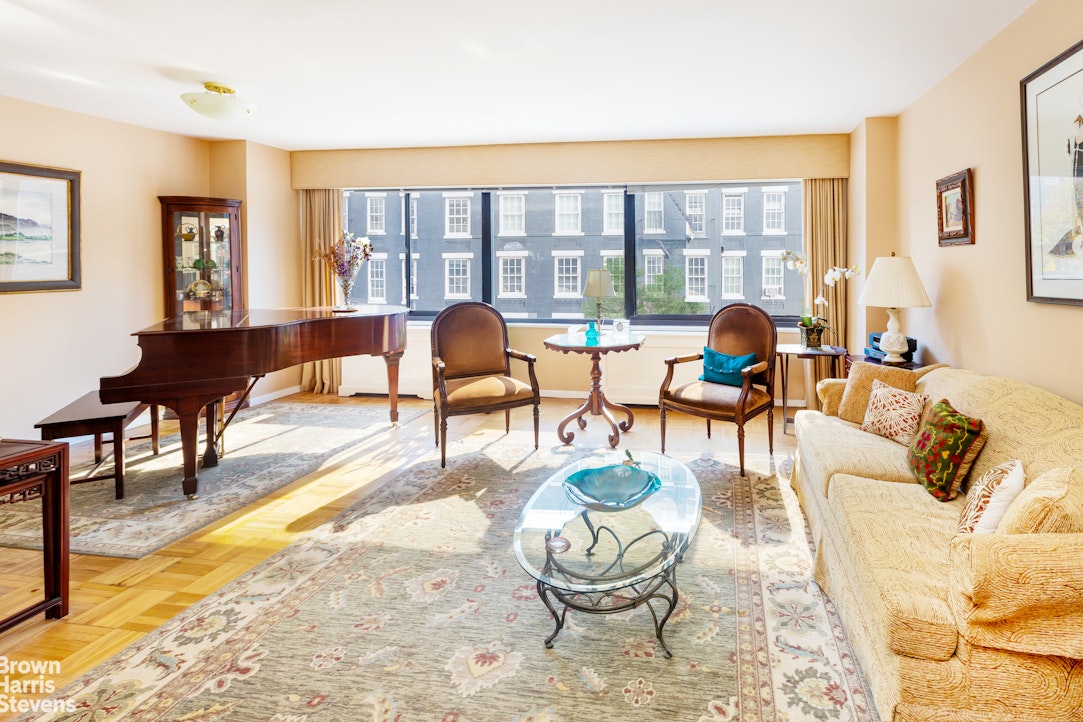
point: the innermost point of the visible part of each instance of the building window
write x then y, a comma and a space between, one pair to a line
567, 274
773, 275
456, 277
413, 216
733, 214
377, 266
376, 215
512, 215
512, 275
613, 214
653, 268
695, 276
457, 217
733, 275
614, 261
415, 257
774, 211
695, 208
653, 219
569, 214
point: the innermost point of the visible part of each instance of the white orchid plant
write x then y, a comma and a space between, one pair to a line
797, 262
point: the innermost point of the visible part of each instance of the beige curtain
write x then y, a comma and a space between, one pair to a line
321, 226
825, 247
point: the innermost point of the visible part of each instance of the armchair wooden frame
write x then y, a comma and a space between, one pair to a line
471, 369
737, 329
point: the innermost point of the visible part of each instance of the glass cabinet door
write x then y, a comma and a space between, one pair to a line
203, 256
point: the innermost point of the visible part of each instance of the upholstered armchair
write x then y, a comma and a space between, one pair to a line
471, 368
740, 371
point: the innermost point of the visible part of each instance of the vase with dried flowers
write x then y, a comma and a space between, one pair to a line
813, 326
345, 258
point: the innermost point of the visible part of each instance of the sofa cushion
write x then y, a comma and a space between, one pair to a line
855, 399
990, 496
893, 413
828, 446
1051, 504
944, 448
899, 541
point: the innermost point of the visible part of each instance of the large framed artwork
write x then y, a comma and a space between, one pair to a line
39, 228
1052, 106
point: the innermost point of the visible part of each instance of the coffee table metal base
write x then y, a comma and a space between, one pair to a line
662, 588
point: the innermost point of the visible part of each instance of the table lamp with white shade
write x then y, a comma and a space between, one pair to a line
599, 286
893, 283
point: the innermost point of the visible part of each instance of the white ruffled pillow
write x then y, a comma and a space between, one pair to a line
990, 496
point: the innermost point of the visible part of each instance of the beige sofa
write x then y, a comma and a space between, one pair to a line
949, 626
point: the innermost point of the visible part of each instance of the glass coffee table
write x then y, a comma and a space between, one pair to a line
603, 560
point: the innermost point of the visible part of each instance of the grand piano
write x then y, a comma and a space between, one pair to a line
192, 360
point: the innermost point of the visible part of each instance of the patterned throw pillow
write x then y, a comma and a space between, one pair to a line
893, 413
720, 368
855, 397
990, 496
943, 450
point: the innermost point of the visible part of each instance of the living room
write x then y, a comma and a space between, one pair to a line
61, 343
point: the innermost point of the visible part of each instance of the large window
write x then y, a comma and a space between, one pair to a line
677, 252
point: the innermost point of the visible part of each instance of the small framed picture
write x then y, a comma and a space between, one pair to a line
620, 326
955, 209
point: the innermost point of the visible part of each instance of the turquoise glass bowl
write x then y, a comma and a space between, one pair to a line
611, 488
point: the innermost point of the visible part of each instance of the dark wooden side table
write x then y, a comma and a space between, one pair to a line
32, 470
596, 404
837, 354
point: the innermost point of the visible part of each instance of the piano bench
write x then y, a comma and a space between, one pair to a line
88, 416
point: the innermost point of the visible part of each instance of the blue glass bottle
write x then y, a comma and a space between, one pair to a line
592, 334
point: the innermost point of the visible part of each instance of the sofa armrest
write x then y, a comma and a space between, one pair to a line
1021, 592
829, 392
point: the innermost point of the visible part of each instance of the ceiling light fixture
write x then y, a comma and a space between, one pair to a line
218, 102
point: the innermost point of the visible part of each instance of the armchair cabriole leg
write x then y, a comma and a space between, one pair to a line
662, 425
537, 425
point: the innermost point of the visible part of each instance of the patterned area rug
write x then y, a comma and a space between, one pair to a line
267, 447
411, 606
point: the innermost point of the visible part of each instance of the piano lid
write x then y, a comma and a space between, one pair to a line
258, 318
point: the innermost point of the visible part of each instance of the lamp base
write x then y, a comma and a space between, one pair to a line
893, 341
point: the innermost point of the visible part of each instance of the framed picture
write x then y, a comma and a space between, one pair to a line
1051, 99
955, 209
39, 228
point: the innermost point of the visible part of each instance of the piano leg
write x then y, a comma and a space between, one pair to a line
392, 360
210, 454
188, 417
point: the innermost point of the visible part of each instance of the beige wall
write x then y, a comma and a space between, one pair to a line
980, 317
56, 345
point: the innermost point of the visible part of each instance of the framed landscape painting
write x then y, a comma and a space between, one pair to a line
39, 228
1052, 106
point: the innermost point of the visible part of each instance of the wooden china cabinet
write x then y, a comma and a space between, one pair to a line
202, 254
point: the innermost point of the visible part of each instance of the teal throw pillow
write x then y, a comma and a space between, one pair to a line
720, 368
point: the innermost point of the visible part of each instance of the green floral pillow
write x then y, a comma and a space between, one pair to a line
944, 448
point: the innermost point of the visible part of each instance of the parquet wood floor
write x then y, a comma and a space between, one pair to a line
116, 601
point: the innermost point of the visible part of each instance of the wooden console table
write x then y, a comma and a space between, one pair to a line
33, 470
837, 354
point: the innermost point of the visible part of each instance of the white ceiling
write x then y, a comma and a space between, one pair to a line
399, 73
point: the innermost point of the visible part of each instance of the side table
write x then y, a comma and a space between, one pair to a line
837, 354
31, 470
596, 404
